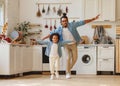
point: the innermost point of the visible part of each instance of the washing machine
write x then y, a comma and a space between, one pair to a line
86, 63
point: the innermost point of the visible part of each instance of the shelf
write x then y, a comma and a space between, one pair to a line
35, 25
68, 18
105, 26
52, 3
34, 33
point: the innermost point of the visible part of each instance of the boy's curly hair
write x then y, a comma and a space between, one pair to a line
54, 34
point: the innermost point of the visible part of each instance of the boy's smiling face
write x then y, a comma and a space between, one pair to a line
55, 39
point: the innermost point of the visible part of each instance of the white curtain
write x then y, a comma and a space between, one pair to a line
1, 16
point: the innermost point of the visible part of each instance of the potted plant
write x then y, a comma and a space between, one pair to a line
23, 28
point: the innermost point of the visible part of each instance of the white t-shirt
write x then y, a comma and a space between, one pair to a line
67, 36
54, 50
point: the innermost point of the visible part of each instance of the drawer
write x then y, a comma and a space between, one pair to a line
105, 65
105, 52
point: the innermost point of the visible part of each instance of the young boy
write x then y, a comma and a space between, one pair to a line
54, 52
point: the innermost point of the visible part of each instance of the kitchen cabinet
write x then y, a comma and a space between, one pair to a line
91, 8
95, 7
17, 54
15, 59
27, 58
107, 12
105, 61
7, 60
118, 10
37, 58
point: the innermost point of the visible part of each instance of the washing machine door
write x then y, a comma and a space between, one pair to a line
86, 59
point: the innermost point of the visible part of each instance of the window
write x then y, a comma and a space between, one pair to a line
1, 15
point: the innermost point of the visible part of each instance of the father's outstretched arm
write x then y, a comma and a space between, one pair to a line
92, 19
46, 37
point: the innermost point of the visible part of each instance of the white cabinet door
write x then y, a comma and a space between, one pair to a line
12, 60
18, 59
5, 60
27, 58
107, 10
91, 8
95, 7
118, 10
37, 58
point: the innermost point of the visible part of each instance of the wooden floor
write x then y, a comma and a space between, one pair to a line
76, 80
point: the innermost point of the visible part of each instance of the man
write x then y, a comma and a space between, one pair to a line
68, 31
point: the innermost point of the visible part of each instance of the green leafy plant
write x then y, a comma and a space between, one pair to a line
23, 27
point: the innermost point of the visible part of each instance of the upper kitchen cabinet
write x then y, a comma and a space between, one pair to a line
118, 10
107, 12
91, 8
95, 7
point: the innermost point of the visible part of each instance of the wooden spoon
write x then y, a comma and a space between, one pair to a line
38, 12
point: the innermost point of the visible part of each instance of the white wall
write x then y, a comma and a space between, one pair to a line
28, 9
28, 12
11, 14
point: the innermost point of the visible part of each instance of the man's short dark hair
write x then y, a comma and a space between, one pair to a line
54, 34
64, 16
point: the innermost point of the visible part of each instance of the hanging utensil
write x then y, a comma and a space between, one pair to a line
46, 26
55, 25
48, 10
50, 25
38, 12
59, 12
43, 10
54, 9
66, 9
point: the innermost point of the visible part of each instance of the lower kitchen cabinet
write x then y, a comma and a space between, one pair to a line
14, 59
6, 59
105, 61
37, 58
18, 59
27, 58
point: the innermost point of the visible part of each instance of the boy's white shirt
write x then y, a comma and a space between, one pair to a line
54, 50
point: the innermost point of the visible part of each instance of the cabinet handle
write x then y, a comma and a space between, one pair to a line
106, 20
105, 59
20, 45
105, 46
27, 46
